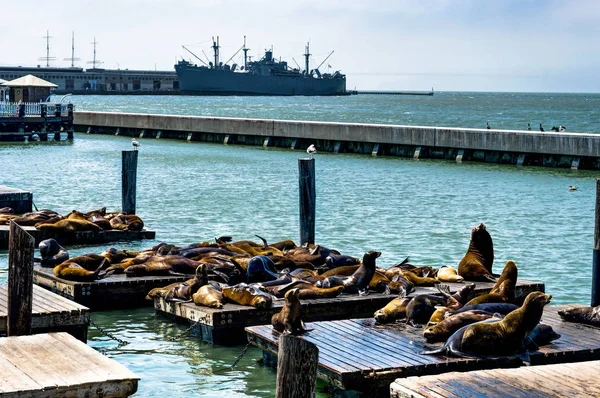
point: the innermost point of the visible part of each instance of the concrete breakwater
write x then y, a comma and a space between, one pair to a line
517, 147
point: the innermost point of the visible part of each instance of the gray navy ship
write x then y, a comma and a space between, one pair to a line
266, 76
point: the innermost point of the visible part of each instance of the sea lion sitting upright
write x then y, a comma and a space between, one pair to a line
289, 319
504, 289
476, 265
359, 281
184, 291
586, 315
507, 336
52, 253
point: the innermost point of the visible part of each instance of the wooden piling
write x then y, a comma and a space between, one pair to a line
308, 198
20, 281
129, 179
297, 361
596, 258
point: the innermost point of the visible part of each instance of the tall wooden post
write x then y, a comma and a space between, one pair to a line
129, 173
308, 195
20, 281
297, 361
596, 261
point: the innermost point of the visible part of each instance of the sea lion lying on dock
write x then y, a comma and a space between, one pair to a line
476, 265
68, 226
183, 292
52, 253
244, 294
359, 281
209, 295
395, 309
448, 274
585, 315
162, 265
85, 268
289, 319
127, 222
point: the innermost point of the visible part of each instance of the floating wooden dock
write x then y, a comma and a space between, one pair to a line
56, 364
50, 313
17, 199
563, 380
358, 354
79, 237
112, 292
226, 325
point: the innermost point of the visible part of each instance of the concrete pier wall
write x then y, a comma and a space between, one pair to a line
576, 150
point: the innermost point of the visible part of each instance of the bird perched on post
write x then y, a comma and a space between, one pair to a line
311, 150
487, 125
541, 128
135, 143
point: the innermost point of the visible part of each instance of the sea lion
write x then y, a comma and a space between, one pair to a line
445, 328
127, 222
500, 308
289, 319
395, 309
542, 334
419, 280
7, 210
244, 294
501, 295
307, 290
476, 265
73, 271
261, 269
507, 336
462, 295
510, 273
400, 285
184, 291
208, 295
585, 315
339, 260
161, 265
359, 281
422, 306
448, 274
68, 226
52, 253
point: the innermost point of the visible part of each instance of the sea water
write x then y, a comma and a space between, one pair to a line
190, 192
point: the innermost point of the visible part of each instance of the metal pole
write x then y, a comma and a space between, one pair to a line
307, 190
129, 179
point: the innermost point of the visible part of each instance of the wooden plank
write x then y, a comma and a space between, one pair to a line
20, 281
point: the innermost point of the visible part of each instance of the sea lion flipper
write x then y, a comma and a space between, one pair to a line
490, 278
363, 292
265, 245
524, 356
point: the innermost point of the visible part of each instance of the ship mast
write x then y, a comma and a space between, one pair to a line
306, 56
245, 54
215, 47
47, 58
72, 59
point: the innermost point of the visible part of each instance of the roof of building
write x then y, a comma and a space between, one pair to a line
29, 81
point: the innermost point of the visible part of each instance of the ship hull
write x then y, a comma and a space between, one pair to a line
195, 80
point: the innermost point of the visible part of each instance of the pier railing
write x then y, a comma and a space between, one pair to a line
40, 109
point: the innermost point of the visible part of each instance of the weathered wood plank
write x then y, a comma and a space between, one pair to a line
20, 281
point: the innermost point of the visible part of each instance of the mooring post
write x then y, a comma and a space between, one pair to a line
297, 361
129, 173
308, 195
20, 281
596, 261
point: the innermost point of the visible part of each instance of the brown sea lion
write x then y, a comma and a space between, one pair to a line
438, 315
500, 296
73, 271
289, 319
444, 329
307, 290
127, 222
419, 280
184, 291
422, 306
586, 315
359, 281
67, 226
395, 309
7, 210
476, 265
507, 336
162, 265
509, 273
448, 274
244, 294
208, 296
462, 295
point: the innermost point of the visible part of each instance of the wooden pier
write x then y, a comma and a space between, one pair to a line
112, 292
20, 201
56, 364
358, 354
50, 313
79, 237
226, 325
562, 380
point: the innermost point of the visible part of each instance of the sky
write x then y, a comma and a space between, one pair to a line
450, 45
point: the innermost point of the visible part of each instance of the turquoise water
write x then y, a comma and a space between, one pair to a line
189, 192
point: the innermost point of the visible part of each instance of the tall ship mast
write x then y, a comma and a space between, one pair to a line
266, 76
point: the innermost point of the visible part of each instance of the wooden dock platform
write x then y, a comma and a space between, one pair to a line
562, 380
17, 199
112, 292
56, 364
358, 354
50, 313
80, 237
226, 325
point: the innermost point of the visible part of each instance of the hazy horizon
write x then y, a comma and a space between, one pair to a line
461, 45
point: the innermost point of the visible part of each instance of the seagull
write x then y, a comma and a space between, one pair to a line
561, 128
135, 143
572, 188
311, 150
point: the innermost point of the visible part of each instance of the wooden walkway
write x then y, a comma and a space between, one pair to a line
56, 364
112, 292
226, 325
563, 380
50, 313
79, 237
358, 354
